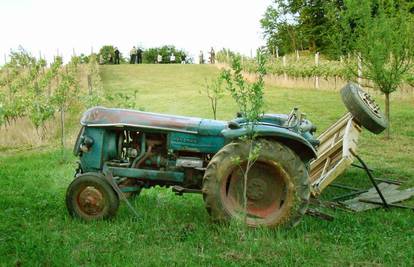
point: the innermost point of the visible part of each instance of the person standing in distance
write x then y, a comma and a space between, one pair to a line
201, 58
133, 54
116, 52
139, 56
212, 56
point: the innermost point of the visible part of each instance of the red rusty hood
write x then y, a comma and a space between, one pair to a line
101, 116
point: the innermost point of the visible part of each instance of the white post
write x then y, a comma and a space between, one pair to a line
284, 65
316, 64
277, 52
359, 69
228, 57
251, 53
297, 55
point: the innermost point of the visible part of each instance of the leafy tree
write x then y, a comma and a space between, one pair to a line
107, 51
383, 36
213, 90
150, 55
94, 96
297, 25
66, 93
248, 96
249, 99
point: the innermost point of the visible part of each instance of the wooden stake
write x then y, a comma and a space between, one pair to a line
359, 69
317, 77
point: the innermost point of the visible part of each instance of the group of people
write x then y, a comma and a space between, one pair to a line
172, 59
111, 60
135, 55
212, 58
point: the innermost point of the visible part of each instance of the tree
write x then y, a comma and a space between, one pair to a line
292, 25
249, 99
383, 37
66, 92
150, 55
107, 52
213, 90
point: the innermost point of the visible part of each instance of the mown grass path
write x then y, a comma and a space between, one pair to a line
35, 229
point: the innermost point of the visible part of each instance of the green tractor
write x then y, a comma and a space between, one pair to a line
124, 151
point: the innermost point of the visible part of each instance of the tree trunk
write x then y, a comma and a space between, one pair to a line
387, 115
62, 128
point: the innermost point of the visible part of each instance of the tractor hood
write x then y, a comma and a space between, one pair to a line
114, 117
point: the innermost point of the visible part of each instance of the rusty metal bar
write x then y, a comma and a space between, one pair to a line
372, 179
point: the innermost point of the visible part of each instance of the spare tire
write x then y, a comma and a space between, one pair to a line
364, 109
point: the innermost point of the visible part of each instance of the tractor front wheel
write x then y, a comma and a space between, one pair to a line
91, 197
277, 192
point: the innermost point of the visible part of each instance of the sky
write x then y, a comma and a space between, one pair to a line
48, 27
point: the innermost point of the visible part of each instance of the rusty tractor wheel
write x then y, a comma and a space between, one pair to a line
277, 185
91, 197
364, 109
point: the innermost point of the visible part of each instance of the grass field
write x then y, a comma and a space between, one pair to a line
35, 229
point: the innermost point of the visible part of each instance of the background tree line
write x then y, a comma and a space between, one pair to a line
326, 26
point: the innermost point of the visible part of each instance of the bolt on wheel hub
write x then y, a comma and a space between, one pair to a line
91, 201
256, 188
373, 106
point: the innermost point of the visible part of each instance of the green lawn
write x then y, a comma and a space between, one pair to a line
35, 229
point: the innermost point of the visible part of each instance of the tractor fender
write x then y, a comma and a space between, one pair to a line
294, 141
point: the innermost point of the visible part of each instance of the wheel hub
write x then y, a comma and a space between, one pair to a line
91, 201
370, 103
256, 189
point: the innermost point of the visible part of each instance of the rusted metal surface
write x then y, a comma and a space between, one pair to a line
90, 201
100, 116
265, 191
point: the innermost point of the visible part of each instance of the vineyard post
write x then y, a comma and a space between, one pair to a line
284, 67
277, 52
359, 69
297, 55
316, 64
90, 84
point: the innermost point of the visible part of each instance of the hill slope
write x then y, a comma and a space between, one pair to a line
35, 229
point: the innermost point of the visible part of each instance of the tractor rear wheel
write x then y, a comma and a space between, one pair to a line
91, 197
277, 185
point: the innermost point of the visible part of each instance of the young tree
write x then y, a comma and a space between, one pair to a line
383, 36
249, 99
213, 90
65, 94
